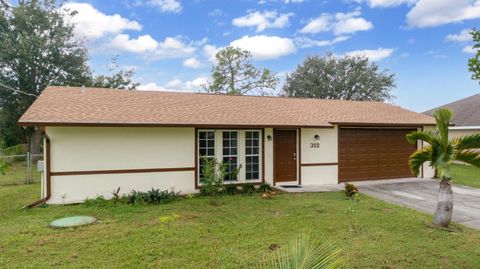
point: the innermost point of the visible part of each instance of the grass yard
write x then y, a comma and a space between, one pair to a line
17, 174
467, 175
238, 233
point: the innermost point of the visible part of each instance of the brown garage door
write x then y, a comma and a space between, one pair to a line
366, 154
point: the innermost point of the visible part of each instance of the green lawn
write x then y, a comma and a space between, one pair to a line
17, 174
467, 175
236, 234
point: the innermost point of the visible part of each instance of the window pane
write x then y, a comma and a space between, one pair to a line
229, 150
211, 152
202, 135
211, 143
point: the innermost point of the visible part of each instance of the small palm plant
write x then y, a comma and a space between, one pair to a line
441, 152
305, 253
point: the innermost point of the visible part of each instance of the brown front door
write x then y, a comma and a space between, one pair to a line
285, 154
366, 154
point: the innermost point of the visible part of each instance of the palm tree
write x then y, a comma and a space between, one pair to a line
305, 252
441, 152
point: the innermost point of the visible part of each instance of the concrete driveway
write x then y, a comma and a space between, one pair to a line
421, 194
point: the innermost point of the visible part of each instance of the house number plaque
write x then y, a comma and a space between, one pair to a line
314, 145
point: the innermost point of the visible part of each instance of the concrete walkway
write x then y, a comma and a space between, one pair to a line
419, 194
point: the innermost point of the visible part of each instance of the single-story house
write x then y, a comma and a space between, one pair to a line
97, 140
467, 115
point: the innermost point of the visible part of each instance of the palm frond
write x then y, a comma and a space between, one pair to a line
426, 136
468, 156
306, 253
443, 116
467, 142
418, 158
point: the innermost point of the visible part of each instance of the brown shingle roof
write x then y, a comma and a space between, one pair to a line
72, 106
467, 111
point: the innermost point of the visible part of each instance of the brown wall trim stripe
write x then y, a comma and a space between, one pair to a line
318, 164
123, 171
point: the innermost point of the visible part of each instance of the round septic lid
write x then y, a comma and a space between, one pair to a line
72, 221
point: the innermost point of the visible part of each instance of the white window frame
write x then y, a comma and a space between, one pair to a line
241, 152
258, 154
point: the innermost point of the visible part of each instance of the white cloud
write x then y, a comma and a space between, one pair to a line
167, 5
347, 23
191, 62
463, 36
93, 24
142, 44
173, 47
305, 42
374, 55
469, 50
429, 13
262, 2
263, 20
340, 23
386, 3
151, 49
317, 25
176, 85
265, 47
210, 51
151, 86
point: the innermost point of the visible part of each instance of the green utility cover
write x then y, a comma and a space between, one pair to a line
72, 221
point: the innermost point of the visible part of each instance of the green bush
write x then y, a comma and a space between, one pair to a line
248, 188
231, 189
350, 189
264, 187
212, 178
153, 197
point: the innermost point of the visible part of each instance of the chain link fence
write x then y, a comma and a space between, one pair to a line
21, 169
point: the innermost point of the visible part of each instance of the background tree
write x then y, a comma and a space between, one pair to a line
347, 78
234, 73
440, 153
474, 62
37, 49
116, 79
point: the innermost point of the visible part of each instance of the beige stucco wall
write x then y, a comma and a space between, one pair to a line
119, 148
326, 153
268, 156
456, 133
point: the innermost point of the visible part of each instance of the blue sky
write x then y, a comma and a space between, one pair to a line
171, 43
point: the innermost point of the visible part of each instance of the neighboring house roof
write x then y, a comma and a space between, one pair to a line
467, 111
93, 106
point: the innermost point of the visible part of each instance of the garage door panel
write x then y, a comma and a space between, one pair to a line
366, 154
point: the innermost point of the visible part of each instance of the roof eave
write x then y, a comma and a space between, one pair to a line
108, 124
